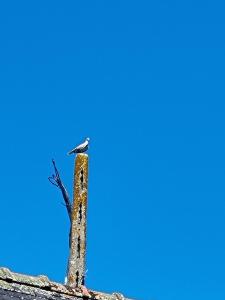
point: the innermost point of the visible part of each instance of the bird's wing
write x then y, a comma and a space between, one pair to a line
81, 146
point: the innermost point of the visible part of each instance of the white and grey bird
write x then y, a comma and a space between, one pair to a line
80, 148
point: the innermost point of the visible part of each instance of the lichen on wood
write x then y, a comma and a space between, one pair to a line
76, 267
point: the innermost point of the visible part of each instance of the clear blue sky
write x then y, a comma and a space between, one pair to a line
145, 80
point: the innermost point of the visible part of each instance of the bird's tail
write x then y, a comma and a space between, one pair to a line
70, 152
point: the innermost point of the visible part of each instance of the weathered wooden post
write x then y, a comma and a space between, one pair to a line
77, 259
15, 286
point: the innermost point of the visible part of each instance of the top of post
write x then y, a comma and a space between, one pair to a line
82, 155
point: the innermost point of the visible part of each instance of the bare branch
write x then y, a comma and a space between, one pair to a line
56, 180
52, 180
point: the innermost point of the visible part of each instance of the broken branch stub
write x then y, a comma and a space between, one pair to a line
56, 180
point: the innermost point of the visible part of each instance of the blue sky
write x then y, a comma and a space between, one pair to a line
145, 80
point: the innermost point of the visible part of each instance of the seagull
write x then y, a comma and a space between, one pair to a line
80, 148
